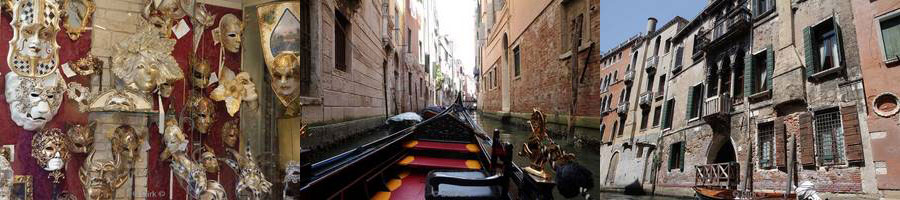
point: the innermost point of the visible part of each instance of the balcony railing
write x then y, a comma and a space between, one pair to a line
645, 99
737, 21
717, 108
652, 62
720, 175
622, 108
629, 76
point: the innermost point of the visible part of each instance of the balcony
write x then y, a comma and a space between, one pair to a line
645, 99
622, 109
629, 76
717, 109
652, 62
728, 28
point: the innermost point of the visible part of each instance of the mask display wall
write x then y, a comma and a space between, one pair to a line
278, 23
50, 149
229, 33
33, 101
144, 62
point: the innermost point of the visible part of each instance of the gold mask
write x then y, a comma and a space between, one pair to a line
210, 163
200, 70
81, 137
234, 90
214, 191
100, 179
203, 111
251, 178
126, 141
229, 33
286, 77
174, 139
50, 149
144, 62
87, 65
230, 133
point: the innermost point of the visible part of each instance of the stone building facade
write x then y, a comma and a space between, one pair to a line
876, 27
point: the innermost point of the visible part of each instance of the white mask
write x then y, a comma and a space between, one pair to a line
33, 101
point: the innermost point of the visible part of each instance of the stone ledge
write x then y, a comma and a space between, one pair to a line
324, 135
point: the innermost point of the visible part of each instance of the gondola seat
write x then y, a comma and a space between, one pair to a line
453, 185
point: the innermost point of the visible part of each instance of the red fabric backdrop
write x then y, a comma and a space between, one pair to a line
157, 171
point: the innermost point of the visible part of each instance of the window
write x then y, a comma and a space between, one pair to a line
656, 45
890, 38
829, 137
766, 133
824, 47
759, 73
764, 6
645, 116
621, 127
634, 57
421, 85
602, 130
676, 156
615, 75
678, 54
650, 82
662, 85
656, 113
517, 62
408, 40
738, 88
669, 112
427, 63
712, 78
341, 42
615, 128
695, 101
409, 83
668, 44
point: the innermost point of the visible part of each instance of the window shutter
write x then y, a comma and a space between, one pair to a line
807, 141
748, 74
672, 156
852, 137
780, 152
663, 116
840, 40
809, 51
770, 66
690, 103
681, 156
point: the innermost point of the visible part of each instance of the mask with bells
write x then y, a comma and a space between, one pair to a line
200, 70
50, 149
230, 133
229, 33
33, 48
81, 137
285, 73
126, 142
203, 111
33, 101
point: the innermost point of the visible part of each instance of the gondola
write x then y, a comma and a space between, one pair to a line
712, 193
447, 156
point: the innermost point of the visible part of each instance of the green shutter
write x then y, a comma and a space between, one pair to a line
671, 157
840, 40
663, 115
770, 66
810, 53
681, 156
690, 103
748, 74
890, 37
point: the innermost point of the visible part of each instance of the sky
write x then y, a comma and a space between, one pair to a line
622, 19
457, 20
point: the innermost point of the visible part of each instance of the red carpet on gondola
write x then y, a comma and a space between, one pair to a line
442, 146
407, 186
439, 163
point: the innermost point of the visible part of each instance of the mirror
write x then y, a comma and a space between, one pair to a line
77, 16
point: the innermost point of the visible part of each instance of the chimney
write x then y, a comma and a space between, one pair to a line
651, 25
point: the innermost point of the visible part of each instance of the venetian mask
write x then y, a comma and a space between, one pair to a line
50, 149
251, 178
144, 62
126, 141
210, 163
81, 137
175, 140
200, 71
190, 174
286, 77
33, 101
100, 179
6, 174
229, 33
214, 191
33, 48
234, 89
230, 133
203, 111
